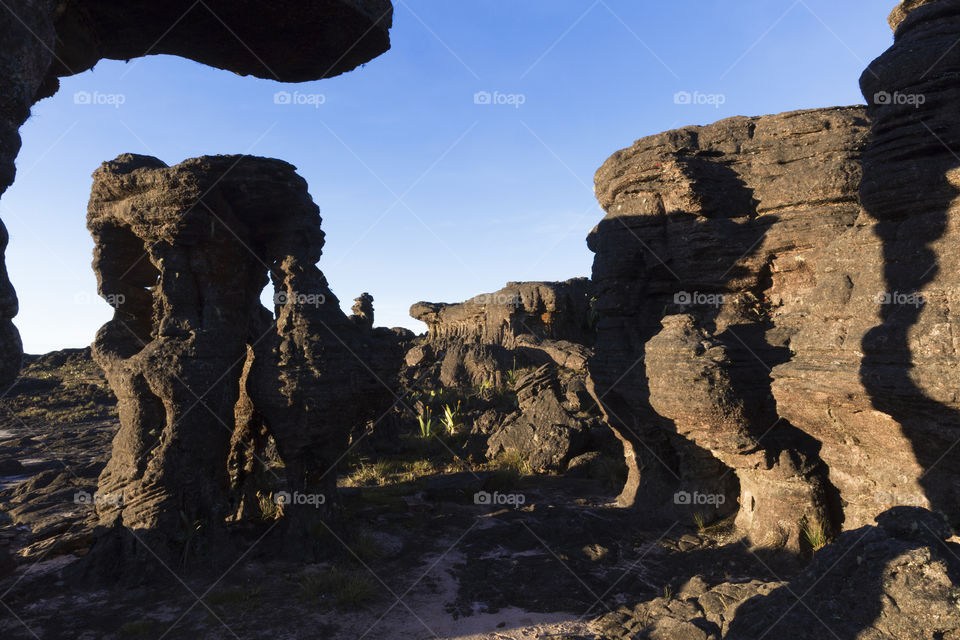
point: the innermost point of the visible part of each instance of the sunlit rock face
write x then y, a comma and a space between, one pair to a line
705, 267
285, 40
777, 294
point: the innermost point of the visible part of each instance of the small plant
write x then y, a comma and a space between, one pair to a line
667, 593
269, 509
700, 521
426, 423
815, 535
484, 387
451, 417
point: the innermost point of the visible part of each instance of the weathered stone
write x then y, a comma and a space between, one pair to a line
719, 225
183, 254
490, 347
875, 367
867, 584
545, 434
283, 40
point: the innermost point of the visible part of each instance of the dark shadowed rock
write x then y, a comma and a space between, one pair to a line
283, 40
183, 254
872, 582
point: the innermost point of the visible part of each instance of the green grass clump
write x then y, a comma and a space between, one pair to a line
815, 535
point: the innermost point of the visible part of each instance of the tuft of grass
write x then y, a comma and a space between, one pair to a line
384, 472
344, 587
269, 509
700, 521
815, 535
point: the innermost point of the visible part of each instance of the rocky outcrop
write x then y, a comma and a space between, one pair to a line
520, 353
543, 321
702, 273
897, 581
183, 254
775, 294
875, 366
45, 40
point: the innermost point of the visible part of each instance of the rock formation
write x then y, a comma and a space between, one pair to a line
546, 321
184, 252
702, 273
45, 40
896, 580
530, 340
776, 301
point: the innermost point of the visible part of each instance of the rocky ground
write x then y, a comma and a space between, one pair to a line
426, 546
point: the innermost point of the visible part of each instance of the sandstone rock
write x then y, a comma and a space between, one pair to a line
183, 253
490, 347
902, 10
719, 225
283, 40
874, 365
869, 583
363, 311
542, 431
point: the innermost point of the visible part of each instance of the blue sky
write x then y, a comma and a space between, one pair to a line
426, 194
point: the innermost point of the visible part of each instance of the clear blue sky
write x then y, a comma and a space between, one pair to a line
426, 195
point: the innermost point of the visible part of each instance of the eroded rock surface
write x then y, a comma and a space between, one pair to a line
521, 354
285, 40
183, 254
719, 227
